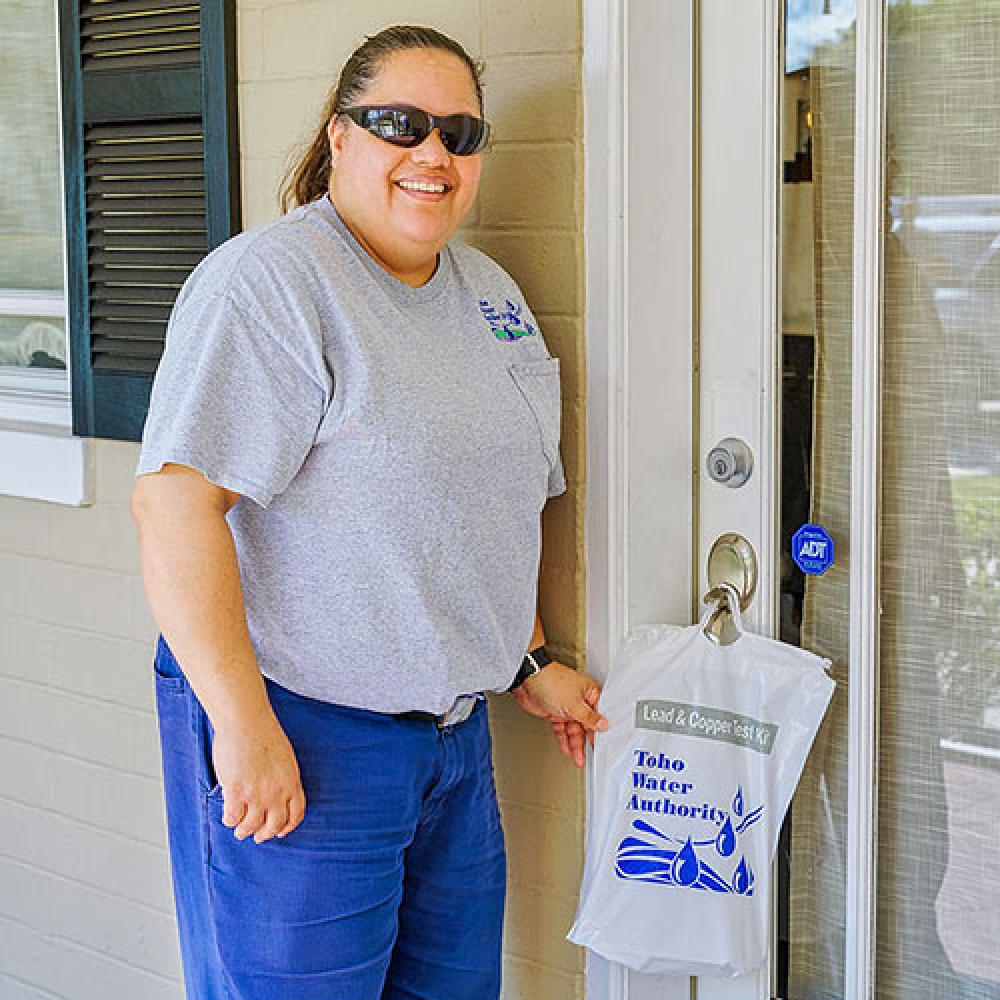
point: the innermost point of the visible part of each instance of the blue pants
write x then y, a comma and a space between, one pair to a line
391, 888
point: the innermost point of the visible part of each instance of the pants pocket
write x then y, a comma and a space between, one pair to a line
169, 676
174, 699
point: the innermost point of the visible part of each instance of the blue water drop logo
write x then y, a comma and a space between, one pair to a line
738, 802
686, 867
725, 842
743, 878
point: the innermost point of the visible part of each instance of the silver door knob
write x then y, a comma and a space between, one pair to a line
732, 568
730, 462
732, 560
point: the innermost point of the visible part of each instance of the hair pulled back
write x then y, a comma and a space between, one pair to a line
310, 179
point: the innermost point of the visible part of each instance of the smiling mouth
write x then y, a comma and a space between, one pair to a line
425, 187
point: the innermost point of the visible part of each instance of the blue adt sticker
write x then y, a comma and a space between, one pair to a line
812, 549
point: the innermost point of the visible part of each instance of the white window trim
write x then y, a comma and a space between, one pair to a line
28, 302
39, 457
46, 466
36, 397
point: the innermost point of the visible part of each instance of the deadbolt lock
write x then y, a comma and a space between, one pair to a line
730, 462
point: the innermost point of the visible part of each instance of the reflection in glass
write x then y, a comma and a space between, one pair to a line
32, 342
939, 768
813, 24
938, 865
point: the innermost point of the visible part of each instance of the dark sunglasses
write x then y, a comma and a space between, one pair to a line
461, 135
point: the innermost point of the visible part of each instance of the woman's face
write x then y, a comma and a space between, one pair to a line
405, 229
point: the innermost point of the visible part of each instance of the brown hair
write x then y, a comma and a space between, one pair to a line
311, 177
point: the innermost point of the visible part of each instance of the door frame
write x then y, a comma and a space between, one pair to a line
652, 358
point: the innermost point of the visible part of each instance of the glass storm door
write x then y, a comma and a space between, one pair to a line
890, 336
811, 220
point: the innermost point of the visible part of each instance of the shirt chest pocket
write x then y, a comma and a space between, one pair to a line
538, 384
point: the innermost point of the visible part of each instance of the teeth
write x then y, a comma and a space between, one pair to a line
422, 186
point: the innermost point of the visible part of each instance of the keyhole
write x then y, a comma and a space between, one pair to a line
730, 462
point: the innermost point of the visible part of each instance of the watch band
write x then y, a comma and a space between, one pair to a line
532, 664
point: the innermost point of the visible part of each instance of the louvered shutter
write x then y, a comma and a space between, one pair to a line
149, 120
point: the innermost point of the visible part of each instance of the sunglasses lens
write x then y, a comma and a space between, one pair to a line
463, 135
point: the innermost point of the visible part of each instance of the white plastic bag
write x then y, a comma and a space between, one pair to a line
692, 780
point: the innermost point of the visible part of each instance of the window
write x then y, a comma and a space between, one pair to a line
101, 228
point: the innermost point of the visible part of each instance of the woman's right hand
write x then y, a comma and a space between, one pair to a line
261, 788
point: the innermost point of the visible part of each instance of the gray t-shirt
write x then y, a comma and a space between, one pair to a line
394, 446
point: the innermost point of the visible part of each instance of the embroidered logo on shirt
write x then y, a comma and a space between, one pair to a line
507, 323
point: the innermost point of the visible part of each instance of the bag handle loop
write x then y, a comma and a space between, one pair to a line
725, 598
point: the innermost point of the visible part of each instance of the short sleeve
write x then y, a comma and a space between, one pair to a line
232, 398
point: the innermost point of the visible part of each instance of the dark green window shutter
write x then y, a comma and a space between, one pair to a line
152, 184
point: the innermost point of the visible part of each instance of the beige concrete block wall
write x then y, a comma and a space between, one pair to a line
85, 905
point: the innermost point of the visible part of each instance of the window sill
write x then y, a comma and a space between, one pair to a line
45, 464
38, 398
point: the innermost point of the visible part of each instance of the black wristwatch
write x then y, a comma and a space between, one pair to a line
532, 664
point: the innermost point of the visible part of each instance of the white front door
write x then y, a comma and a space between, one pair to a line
794, 239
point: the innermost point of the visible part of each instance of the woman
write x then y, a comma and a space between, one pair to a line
352, 433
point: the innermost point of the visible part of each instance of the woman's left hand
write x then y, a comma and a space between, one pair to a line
568, 699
